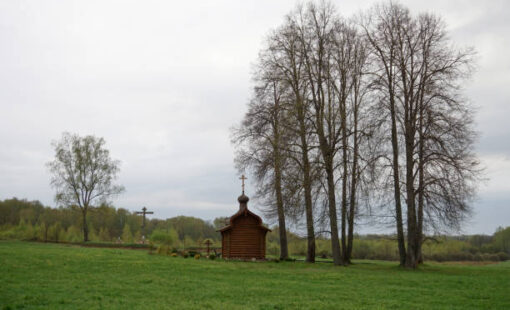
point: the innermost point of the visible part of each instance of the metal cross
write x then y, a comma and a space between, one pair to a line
144, 212
243, 178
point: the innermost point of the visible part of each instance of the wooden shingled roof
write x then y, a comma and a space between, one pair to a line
243, 211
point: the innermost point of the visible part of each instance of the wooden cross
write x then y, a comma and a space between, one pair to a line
242, 178
144, 212
208, 243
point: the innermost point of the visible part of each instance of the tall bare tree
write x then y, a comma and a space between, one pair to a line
261, 137
447, 168
380, 28
420, 74
360, 132
286, 52
317, 37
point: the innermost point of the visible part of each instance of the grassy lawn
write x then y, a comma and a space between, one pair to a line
51, 276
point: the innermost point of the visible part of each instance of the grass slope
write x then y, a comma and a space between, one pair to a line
51, 276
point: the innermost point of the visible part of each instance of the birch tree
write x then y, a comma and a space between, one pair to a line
83, 174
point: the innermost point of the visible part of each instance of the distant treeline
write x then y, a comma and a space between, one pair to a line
30, 220
384, 247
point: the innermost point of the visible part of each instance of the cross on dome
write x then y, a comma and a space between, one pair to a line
242, 178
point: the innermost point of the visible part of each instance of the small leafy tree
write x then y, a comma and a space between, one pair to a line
165, 238
501, 240
104, 234
127, 236
54, 232
73, 234
83, 173
25, 231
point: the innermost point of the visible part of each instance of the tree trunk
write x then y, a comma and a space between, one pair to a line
409, 140
284, 251
344, 184
335, 244
310, 253
354, 178
421, 184
411, 259
85, 226
396, 182
419, 229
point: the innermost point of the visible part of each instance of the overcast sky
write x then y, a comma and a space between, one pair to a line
163, 82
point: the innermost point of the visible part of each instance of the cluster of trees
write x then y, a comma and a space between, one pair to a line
494, 247
30, 220
360, 117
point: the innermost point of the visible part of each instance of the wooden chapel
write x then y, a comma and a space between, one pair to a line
244, 237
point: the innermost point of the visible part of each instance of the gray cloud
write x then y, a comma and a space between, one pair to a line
163, 82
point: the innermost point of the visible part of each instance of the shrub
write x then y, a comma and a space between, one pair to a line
503, 256
197, 256
127, 235
151, 247
361, 249
72, 234
185, 254
164, 250
8, 233
212, 256
273, 249
104, 234
162, 237
491, 257
173, 254
297, 247
323, 248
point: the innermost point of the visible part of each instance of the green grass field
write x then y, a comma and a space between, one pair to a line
51, 276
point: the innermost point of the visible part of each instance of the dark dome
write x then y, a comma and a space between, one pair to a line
243, 198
